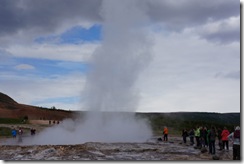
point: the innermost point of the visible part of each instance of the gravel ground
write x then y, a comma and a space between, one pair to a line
153, 150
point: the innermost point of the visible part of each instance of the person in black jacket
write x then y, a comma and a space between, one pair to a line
184, 135
191, 135
219, 131
205, 133
212, 135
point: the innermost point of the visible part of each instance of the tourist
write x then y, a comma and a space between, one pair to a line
224, 138
197, 136
191, 135
165, 133
235, 137
219, 139
20, 132
14, 133
33, 131
212, 136
184, 135
208, 138
202, 141
205, 140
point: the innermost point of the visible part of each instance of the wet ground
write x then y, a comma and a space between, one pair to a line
154, 150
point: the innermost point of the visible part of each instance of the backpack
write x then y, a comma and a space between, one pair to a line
212, 135
237, 134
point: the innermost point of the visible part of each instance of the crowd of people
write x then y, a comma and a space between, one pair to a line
19, 133
207, 137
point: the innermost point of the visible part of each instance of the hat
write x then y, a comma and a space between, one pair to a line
237, 128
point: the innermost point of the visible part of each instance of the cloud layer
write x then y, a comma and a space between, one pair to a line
195, 64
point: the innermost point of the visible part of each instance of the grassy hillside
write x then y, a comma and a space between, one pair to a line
11, 111
7, 102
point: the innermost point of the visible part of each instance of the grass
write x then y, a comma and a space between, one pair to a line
11, 121
5, 132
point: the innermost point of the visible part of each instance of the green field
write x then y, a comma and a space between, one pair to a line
5, 132
12, 121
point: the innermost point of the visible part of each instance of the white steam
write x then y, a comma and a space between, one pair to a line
104, 128
125, 51
110, 92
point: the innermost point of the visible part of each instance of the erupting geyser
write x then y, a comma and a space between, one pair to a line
111, 96
124, 52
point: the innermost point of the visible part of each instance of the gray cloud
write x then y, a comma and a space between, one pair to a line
181, 64
223, 37
180, 14
44, 15
223, 31
231, 75
47, 16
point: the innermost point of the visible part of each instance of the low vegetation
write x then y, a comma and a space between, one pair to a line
187, 120
12, 121
5, 132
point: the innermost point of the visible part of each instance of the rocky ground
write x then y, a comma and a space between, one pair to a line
154, 150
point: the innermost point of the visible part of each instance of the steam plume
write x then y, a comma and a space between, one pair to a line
118, 62
124, 53
112, 97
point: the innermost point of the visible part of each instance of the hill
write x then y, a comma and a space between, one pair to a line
7, 102
9, 108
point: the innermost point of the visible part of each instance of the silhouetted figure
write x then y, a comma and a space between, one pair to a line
205, 133
184, 135
219, 131
191, 135
33, 131
212, 136
201, 138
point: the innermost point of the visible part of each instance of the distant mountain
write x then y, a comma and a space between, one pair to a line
9, 108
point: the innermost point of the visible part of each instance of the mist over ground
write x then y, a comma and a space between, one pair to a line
98, 127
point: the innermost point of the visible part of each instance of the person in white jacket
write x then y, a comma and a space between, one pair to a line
235, 137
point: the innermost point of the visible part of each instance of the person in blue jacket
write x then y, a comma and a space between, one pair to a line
14, 133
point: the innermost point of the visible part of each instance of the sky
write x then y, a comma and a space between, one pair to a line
190, 49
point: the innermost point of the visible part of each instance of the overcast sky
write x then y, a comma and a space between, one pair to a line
46, 49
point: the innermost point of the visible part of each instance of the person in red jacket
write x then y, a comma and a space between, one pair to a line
224, 136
